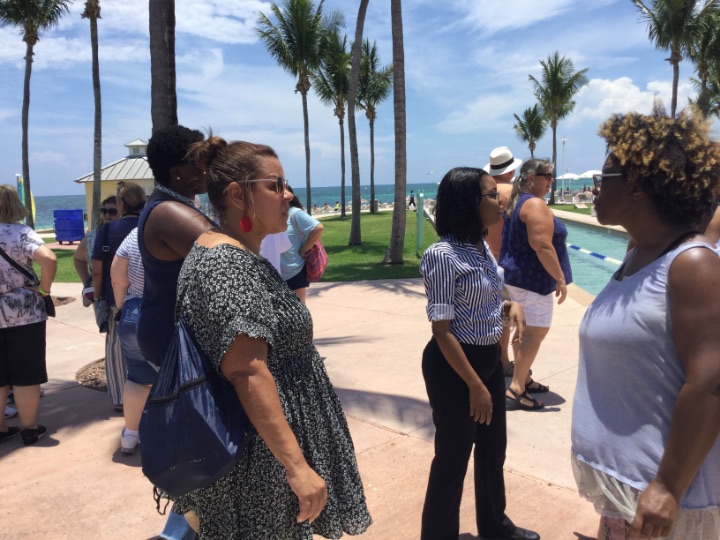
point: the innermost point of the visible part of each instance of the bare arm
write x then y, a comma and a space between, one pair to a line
48, 266
244, 365
480, 399
120, 279
313, 237
80, 261
694, 285
539, 221
97, 278
171, 229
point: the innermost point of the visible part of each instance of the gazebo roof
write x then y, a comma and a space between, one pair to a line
133, 167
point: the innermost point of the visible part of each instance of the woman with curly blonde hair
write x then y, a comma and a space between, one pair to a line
646, 415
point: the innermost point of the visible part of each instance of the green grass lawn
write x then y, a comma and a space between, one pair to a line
346, 263
571, 208
353, 263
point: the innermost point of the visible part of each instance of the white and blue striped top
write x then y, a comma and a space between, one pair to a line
136, 272
463, 284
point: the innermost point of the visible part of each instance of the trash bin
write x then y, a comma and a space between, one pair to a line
69, 225
374, 205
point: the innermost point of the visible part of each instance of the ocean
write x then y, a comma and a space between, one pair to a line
384, 193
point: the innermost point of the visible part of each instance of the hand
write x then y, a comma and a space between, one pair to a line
656, 512
481, 406
561, 291
311, 492
516, 316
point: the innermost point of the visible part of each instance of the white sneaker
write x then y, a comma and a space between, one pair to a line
10, 412
128, 442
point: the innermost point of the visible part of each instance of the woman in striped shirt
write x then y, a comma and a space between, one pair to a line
461, 363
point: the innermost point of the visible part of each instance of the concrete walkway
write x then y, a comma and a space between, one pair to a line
76, 484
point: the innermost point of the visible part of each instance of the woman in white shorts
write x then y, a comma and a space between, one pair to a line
535, 259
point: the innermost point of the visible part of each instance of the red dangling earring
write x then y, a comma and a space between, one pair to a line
246, 224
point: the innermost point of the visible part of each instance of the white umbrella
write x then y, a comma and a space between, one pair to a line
568, 176
590, 173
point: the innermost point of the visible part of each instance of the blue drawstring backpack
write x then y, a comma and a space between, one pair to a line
193, 425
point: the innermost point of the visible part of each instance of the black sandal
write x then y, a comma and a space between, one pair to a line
535, 387
517, 401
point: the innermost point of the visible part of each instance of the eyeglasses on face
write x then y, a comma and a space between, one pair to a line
494, 195
109, 211
547, 175
281, 183
598, 178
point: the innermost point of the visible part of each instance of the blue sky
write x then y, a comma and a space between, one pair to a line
467, 64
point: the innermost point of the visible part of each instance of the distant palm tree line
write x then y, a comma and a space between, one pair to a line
685, 28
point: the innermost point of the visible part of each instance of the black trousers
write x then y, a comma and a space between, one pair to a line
455, 434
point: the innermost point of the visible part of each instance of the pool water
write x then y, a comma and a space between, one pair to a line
591, 273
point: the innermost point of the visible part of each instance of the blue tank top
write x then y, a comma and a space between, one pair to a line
156, 322
522, 267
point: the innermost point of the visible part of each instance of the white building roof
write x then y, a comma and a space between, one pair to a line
133, 168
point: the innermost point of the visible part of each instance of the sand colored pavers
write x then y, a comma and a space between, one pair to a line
75, 483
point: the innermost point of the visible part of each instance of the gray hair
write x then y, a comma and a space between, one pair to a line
528, 169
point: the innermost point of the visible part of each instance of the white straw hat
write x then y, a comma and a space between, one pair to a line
501, 161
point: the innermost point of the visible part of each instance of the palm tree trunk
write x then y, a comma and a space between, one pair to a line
163, 108
25, 118
355, 237
306, 123
97, 140
342, 167
676, 78
553, 125
372, 166
394, 253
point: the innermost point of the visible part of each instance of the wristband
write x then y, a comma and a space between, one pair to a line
43, 293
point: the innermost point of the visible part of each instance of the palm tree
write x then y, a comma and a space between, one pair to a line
560, 83
355, 236
92, 13
297, 42
374, 87
672, 26
31, 16
394, 253
163, 93
531, 127
704, 51
331, 83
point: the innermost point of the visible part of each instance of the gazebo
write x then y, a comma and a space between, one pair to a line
133, 168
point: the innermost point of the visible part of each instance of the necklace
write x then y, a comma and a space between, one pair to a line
175, 195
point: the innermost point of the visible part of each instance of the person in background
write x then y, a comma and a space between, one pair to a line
273, 246
82, 256
128, 279
461, 363
22, 318
168, 226
131, 200
501, 167
337, 206
303, 231
646, 413
411, 200
297, 475
535, 259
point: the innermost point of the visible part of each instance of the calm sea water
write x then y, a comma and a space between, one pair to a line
384, 193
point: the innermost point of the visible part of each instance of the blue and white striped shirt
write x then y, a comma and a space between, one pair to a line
136, 272
463, 284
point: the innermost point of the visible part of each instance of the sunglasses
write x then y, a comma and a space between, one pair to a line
280, 186
109, 211
547, 175
598, 178
494, 195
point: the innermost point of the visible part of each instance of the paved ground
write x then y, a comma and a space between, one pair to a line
76, 484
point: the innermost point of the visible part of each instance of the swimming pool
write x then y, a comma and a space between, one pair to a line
591, 273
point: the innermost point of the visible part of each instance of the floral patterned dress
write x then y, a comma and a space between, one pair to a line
225, 291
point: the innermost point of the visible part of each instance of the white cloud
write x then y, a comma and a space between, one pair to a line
48, 156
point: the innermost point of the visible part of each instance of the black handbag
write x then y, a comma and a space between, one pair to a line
193, 426
33, 280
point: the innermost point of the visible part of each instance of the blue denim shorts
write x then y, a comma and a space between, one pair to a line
139, 370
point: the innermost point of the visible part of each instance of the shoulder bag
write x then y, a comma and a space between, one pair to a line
102, 308
193, 426
33, 281
316, 259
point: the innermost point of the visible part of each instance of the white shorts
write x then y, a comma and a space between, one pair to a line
538, 308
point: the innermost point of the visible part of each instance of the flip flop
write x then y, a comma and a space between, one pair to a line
535, 387
517, 401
